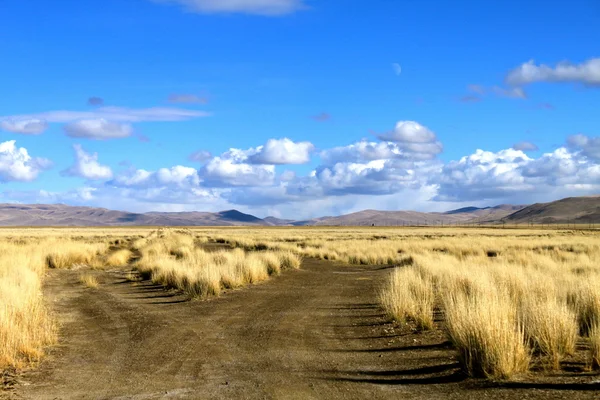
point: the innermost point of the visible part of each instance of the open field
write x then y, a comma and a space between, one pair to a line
300, 312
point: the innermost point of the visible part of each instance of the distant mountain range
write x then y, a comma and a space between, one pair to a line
569, 210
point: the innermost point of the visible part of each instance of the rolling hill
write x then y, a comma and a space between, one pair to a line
63, 215
569, 210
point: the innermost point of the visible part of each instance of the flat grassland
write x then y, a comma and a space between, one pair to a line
299, 312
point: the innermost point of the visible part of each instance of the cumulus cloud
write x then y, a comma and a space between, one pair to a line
138, 177
187, 99
587, 73
412, 137
553, 167
375, 177
257, 7
228, 171
409, 132
87, 166
363, 151
589, 146
17, 165
482, 175
512, 175
25, 126
525, 146
282, 151
178, 176
98, 129
402, 165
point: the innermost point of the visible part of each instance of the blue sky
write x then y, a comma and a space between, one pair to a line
385, 104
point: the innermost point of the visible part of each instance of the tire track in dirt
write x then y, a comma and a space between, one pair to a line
314, 333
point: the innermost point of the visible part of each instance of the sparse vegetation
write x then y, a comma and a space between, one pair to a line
595, 348
25, 323
172, 259
89, 281
507, 299
119, 258
409, 295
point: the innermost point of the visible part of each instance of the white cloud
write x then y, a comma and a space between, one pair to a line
409, 132
482, 175
412, 137
258, 7
587, 72
513, 176
387, 174
254, 166
589, 146
118, 114
98, 129
200, 156
553, 166
25, 126
525, 146
87, 166
282, 151
139, 177
177, 177
17, 165
373, 177
226, 171
363, 151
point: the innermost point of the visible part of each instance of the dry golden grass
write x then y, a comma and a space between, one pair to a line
172, 258
89, 281
508, 297
408, 295
504, 306
118, 258
595, 348
25, 324
69, 254
485, 329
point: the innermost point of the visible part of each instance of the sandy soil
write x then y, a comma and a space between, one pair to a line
315, 333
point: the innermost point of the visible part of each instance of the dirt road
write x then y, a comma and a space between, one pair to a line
315, 333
